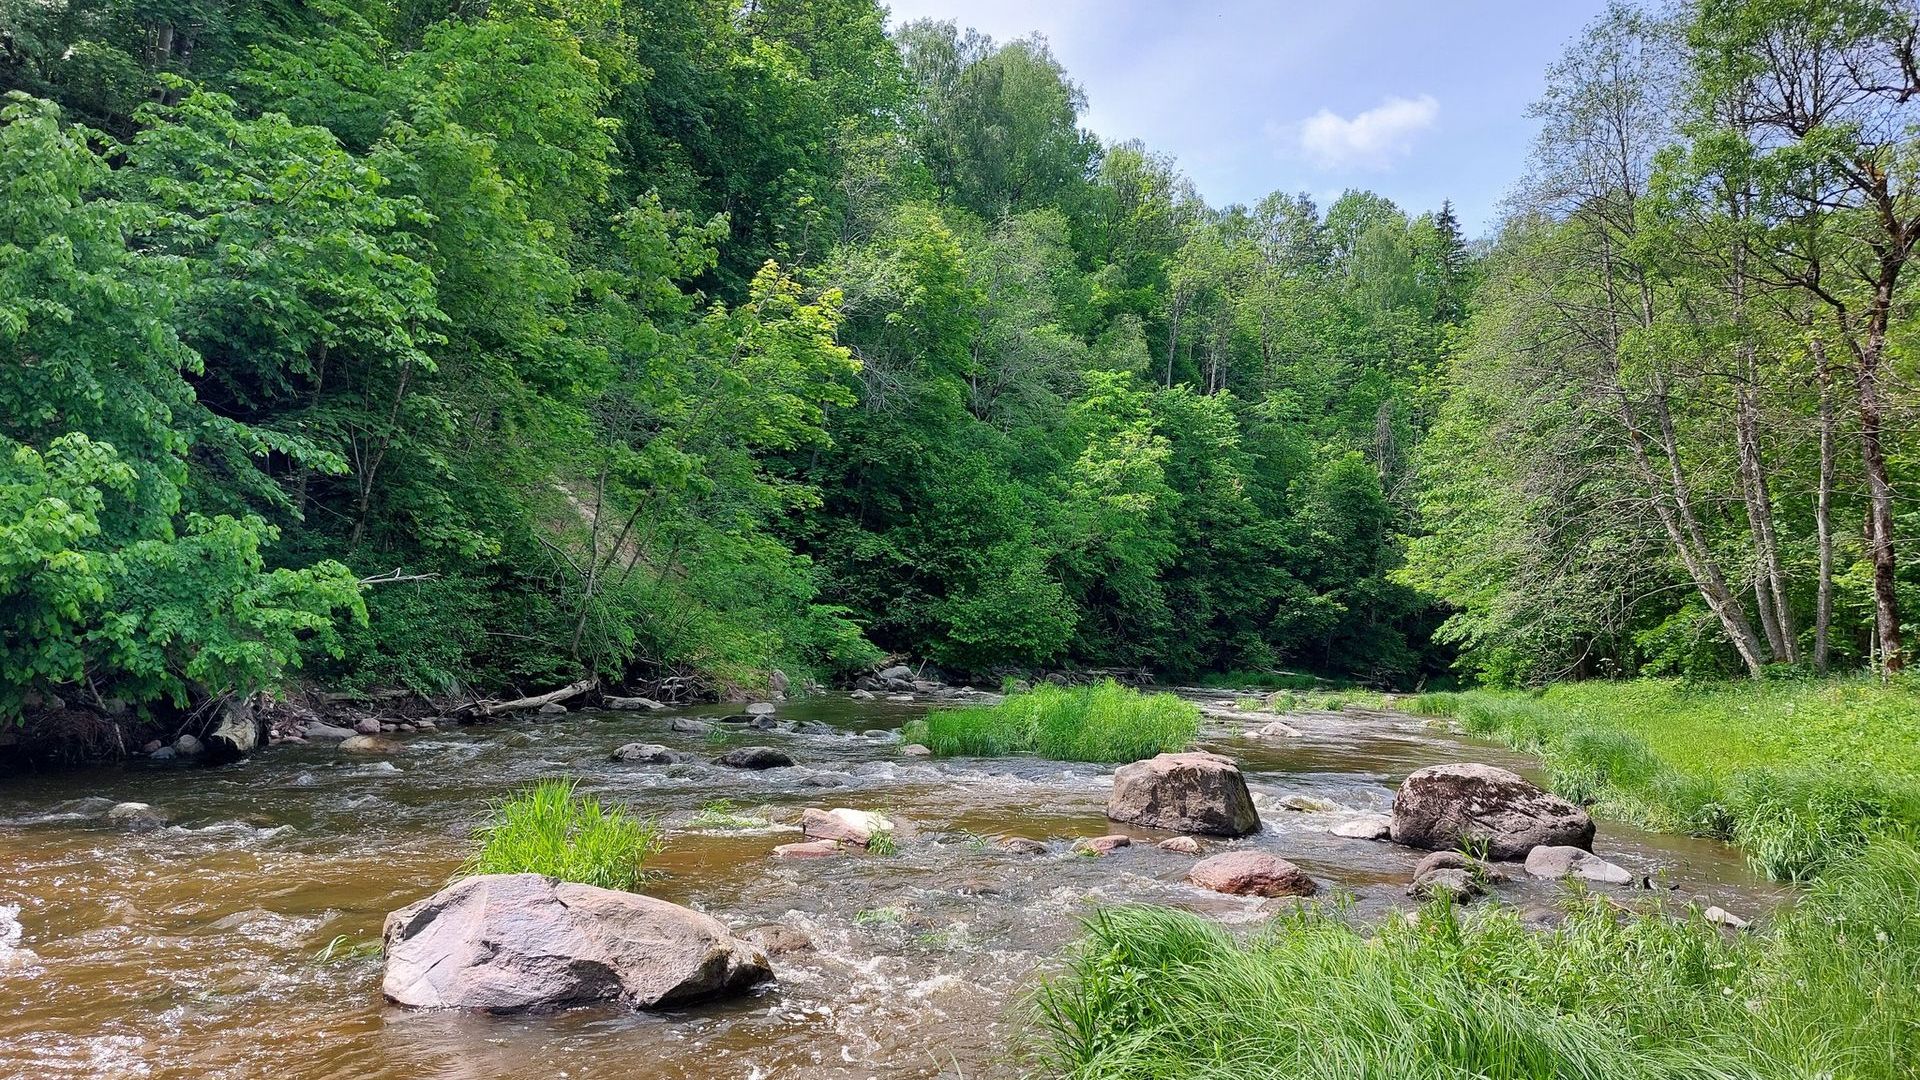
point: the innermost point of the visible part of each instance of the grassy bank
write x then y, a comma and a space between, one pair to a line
1797, 773
1101, 722
1830, 990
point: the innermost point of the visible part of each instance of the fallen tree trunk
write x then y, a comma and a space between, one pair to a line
494, 708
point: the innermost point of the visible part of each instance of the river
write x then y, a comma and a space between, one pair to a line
195, 950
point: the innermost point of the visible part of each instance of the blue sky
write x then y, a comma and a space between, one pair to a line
1418, 101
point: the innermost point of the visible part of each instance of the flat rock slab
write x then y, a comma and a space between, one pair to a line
808, 849
1187, 793
1559, 861
631, 704
1251, 873
514, 942
1445, 807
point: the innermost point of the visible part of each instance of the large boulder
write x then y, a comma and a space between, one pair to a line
237, 732
1251, 873
512, 942
1467, 805
1188, 793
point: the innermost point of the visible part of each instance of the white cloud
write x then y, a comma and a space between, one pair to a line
1373, 139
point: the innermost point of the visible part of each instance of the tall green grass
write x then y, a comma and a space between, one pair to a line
1829, 991
1798, 774
549, 829
1101, 722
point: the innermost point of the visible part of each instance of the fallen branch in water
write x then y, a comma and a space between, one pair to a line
494, 708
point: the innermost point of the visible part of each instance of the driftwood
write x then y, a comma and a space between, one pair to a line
494, 708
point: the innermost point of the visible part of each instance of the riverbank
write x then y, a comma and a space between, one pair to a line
1797, 773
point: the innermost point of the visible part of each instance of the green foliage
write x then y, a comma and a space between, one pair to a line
1103, 721
1154, 992
548, 829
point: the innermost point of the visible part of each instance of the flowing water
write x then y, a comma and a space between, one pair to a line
196, 951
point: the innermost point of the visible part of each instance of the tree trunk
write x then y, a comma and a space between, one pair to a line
1823, 516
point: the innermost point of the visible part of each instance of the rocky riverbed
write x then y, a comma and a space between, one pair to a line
227, 928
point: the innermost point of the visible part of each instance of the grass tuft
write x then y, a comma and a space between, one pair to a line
548, 829
1830, 990
1101, 722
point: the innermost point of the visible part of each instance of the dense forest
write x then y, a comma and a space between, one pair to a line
475, 347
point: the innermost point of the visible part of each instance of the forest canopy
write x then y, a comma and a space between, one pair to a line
480, 347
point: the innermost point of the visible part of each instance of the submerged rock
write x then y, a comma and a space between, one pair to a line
1021, 845
1451, 806
1251, 873
687, 725
777, 939
1365, 827
135, 817
1560, 860
512, 942
370, 744
1278, 730
753, 757
1308, 804
861, 695
1189, 793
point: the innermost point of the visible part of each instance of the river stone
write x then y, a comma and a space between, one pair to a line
165, 753
330, 732
369, 726
1459, 884
808, 849
135, 817
1102, 845
1251, 873
1189, 793
369, 744
687, 725
511, 942
1454, 860
1278, 730
861, 695
842, 824
1180, 845
1365, 827
188, 746
552, 708
237, 732
1021, 845
1559, 860
897, 671
761, 708
629, 704
914, 749
1450, 806
649, 754
1308, 804
753, 757
1720, 916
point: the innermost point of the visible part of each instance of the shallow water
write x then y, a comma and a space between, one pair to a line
193, 951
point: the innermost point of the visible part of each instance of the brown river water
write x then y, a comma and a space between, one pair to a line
194, 951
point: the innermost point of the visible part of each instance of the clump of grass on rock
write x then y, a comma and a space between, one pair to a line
1103, 721
550, 829
1829, 990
